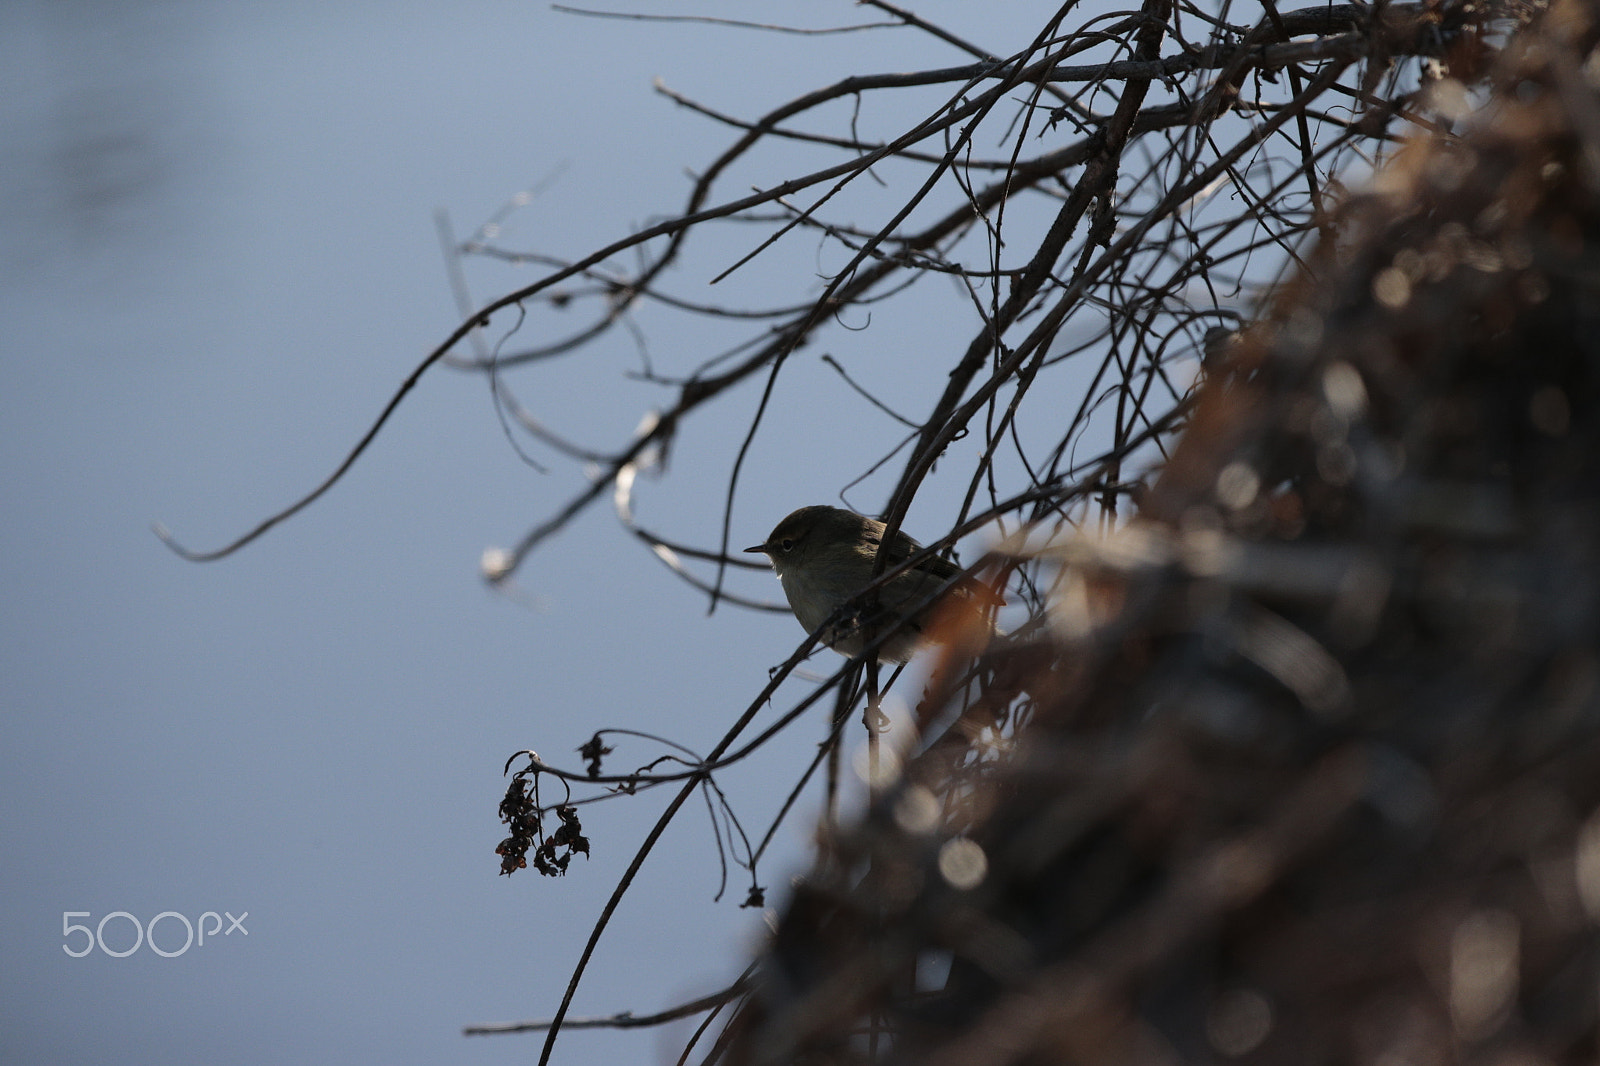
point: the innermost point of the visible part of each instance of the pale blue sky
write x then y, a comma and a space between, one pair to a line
217, 260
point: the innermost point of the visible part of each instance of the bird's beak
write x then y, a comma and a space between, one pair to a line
757, 548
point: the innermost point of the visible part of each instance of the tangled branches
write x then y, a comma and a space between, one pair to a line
1111, 201
1162, 167
1311, 764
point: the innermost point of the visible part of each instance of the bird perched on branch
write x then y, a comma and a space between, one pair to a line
824, 556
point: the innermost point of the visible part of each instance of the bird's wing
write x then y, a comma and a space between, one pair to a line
904, 547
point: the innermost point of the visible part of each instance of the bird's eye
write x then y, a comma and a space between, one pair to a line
787, 544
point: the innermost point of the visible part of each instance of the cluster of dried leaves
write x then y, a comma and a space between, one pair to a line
525, 818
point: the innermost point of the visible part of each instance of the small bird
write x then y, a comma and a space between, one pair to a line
824, 558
